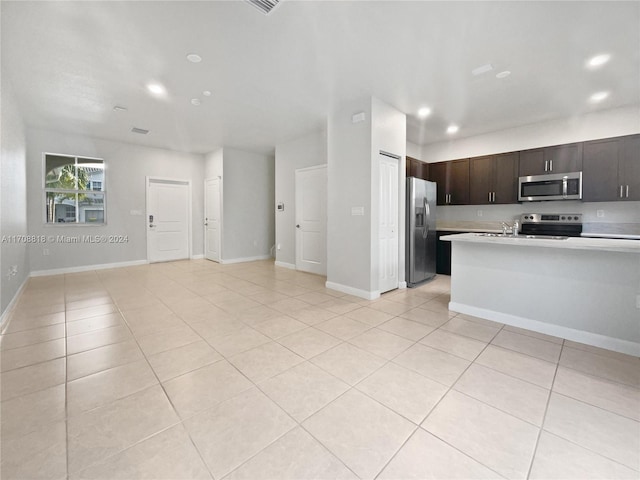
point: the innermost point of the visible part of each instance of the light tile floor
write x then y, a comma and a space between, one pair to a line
197, 370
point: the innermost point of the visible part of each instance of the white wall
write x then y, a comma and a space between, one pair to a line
248, 225
414, 150
127, 165
349, 185
388, 134
213, 163
306, 151
603, 124
13, 196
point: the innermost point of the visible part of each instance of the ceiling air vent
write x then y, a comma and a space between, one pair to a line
265, 6
141, 131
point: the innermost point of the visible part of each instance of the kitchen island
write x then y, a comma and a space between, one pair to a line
581, 289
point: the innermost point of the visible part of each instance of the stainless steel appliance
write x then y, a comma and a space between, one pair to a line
557, 186
420, 251
552, 224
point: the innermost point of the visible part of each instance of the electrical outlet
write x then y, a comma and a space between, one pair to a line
45, 251
13, 270
479, 212
278, 246
599, 213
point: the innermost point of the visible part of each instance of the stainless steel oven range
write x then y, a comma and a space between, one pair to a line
551, 224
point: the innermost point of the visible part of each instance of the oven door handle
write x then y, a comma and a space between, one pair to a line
564, 187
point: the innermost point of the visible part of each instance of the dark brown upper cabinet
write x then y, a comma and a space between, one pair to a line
611, 169
417, 168
493, 179
453, 181
557, 159
630, 167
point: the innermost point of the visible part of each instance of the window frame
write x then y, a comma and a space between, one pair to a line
76, 191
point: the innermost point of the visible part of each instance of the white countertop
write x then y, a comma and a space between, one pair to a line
576, 243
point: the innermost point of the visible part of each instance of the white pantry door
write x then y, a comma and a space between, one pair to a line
388, 223
168, 219
212, 221
311, 219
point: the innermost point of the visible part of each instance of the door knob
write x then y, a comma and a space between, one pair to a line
297, 226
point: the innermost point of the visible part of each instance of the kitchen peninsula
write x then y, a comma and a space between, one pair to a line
581, 289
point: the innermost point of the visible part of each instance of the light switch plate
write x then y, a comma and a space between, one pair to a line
357, 211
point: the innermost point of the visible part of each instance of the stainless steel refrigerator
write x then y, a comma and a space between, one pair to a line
420, 252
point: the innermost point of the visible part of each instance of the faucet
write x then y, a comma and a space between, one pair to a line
505, 227
515, 228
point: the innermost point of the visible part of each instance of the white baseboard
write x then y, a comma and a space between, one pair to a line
402, 285
5, 318
589, 338
356, 292
290, 266
197, 257
245, 259
86, 268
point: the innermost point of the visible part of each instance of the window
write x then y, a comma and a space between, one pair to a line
73, 189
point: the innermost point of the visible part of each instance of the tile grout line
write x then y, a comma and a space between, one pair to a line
450, 388
544, 417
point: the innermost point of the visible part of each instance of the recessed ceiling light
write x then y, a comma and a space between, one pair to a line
206, 93
452, 129
503, 74
156, 89
119, 108
598, 60
598, 97
196, 101
194, 58
487, 67
424, 112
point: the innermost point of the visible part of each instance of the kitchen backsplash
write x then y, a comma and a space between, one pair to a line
611, 212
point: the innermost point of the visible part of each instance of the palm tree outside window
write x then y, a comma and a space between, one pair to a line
74, 190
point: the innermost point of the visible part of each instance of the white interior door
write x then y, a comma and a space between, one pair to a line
168, 219
212, 216
311, 219
388, 223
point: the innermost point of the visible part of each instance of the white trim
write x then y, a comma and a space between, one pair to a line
220, 226
6, 315
197, 257
356, 292
581, 336
290, 266
86, 268
245, 259
402, 285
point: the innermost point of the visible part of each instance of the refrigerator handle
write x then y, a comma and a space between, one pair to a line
427, 218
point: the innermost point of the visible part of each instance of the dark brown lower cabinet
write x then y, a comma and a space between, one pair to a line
443, 253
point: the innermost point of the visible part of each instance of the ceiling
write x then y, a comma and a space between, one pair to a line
273, 78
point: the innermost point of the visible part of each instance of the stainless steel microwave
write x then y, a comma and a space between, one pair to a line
556, 186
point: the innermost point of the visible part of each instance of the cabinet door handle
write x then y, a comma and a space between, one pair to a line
551, 165
627, 191
489, 197
621, 186
494, 197
546, 165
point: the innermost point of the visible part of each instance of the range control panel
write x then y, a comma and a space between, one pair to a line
572, 218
